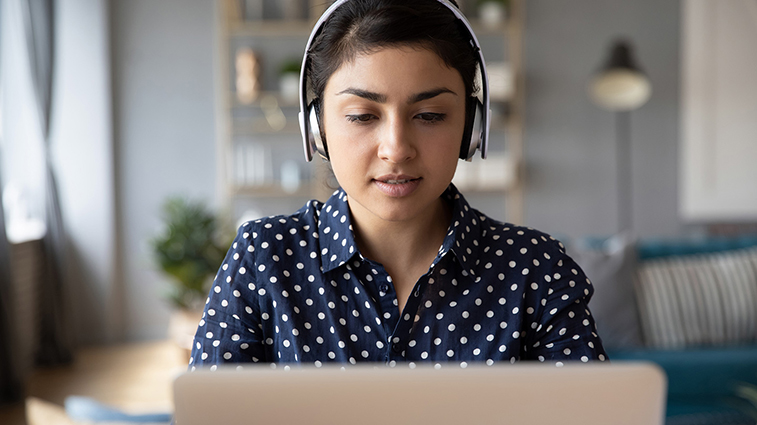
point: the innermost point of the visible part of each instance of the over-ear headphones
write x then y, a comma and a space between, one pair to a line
478, 112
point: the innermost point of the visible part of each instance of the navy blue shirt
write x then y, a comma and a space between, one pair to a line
295, 289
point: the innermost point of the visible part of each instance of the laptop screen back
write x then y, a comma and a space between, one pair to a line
586, 394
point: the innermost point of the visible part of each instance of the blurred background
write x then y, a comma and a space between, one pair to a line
135, 135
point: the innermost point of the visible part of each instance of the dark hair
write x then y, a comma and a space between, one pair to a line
366, 26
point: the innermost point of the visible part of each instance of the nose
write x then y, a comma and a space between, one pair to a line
396, 144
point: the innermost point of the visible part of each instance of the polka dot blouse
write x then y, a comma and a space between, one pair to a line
295, 289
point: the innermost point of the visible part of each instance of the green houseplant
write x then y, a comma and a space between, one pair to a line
189, 249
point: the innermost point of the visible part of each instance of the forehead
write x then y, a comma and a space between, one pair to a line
396, 67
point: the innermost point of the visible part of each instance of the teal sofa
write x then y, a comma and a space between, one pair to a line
707, 383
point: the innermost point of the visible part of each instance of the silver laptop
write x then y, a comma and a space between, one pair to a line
585, 394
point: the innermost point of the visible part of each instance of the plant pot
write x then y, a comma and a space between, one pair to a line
182, 326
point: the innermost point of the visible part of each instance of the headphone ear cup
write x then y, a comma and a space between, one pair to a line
316, 136
471, 134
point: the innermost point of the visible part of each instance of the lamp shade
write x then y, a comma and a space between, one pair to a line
621, 85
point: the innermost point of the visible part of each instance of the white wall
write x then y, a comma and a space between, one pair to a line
571, 186
164, 133
82, 142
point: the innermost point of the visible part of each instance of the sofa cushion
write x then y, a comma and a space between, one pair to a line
609, 264
698, 300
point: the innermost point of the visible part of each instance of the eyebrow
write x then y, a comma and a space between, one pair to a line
381, 98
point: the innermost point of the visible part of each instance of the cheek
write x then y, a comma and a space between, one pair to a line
346, 157
347, 143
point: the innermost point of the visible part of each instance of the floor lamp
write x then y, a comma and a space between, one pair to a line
621, 87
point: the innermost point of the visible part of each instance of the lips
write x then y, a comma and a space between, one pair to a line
397, 186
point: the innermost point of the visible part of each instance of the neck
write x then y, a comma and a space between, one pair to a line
403, 245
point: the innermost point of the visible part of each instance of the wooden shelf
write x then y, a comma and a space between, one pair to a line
306, 189
256, 129
283, 103
259, 126
274, 28
271, 29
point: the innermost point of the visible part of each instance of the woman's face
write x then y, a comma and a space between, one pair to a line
394, 122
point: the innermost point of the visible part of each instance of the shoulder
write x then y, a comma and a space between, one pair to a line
525, 253
276, 233
521, 239
280, 227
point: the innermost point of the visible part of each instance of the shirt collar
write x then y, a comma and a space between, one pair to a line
463, 233
337, 241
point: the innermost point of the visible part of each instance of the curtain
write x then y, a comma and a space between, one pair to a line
10, 381
10, 378
54, 339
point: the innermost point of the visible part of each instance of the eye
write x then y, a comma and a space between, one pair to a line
360, 119
430, 117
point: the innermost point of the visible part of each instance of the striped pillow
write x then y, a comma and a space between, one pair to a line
698, 300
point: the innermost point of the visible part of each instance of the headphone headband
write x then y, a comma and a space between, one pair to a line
479, 141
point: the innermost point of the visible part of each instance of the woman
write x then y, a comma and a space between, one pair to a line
395, 266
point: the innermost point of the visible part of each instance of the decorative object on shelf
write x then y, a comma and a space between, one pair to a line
289, 81
248, 75
621, 87
290, 176
189, 249
273, 113
492, 13
252, 165
501, 81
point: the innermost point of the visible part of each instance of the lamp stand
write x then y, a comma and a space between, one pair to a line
623, 168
